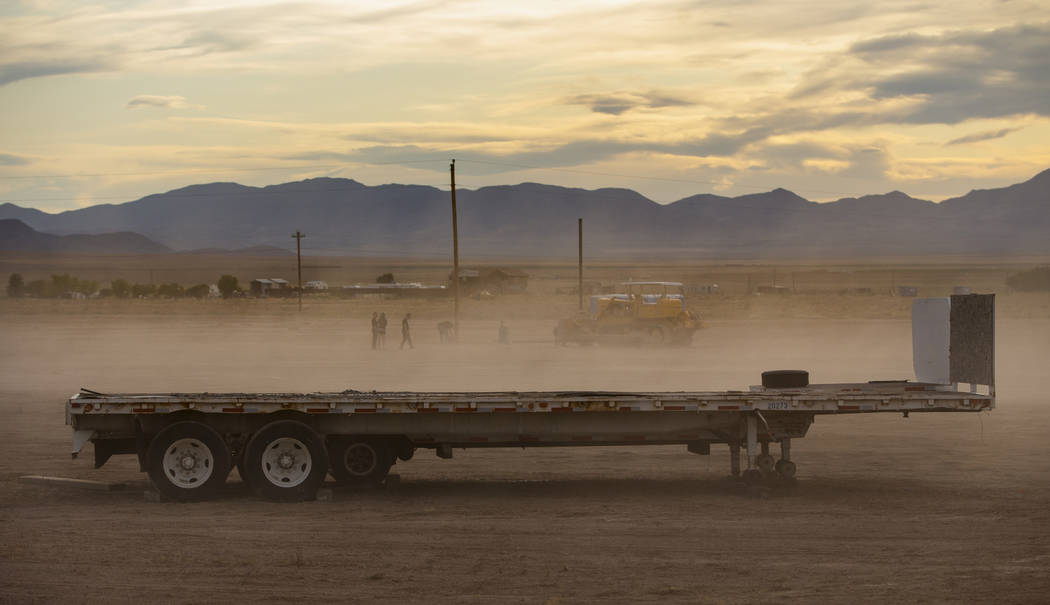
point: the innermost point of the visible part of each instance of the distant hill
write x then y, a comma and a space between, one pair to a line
342, 216
16, 236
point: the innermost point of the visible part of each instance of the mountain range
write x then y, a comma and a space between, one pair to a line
343, 216
16, 236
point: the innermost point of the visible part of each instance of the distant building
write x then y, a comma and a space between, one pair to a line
495, 280
315, 285
702, 289
395, 290
273, 286
908, 291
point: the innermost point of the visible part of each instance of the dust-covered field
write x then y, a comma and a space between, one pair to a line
933, 508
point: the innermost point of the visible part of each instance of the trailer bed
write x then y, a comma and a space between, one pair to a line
283, 444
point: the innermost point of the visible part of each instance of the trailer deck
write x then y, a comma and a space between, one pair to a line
284, 443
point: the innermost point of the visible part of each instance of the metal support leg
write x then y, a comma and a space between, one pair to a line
752, 440
734, 458
785, 467
765, 448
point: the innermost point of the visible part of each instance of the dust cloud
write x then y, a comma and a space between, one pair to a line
938, 507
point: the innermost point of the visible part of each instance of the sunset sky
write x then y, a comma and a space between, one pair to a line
103, 102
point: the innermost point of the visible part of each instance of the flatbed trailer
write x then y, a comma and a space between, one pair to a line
284, 444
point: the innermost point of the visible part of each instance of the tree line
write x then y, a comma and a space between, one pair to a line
67, 286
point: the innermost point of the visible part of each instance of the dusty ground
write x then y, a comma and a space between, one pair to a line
935, 508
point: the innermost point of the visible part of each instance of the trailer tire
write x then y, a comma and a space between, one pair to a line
357, 461
785, 379
657, 335
405, 453
786, 469
285, 461
752, 477
188, 461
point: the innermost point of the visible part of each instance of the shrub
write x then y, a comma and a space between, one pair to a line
16, 286
143, 290
228, 285
386, 278
121, 288
171, 290
198, 291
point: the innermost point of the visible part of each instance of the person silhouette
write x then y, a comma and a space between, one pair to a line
406, 333
381, 331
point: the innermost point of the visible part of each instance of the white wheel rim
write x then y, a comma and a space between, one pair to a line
360, 459
286, 462
188, 463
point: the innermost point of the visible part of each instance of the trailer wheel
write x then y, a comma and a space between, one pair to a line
188, 461
361, 461
752, 477
765, 464
285, 461
405, 453
786, 469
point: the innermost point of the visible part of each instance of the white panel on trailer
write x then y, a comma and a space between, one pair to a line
930, 339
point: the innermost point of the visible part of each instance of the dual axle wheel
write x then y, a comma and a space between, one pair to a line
285, 461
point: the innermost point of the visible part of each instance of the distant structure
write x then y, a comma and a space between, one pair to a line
702, 289
496, 280
773, 290
273, 286
395, 290
908, 291
315, 286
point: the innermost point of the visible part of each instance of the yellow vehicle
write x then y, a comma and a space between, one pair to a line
646, 312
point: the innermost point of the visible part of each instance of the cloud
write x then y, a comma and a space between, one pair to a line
9, 159
23, 70
210, 41
982, 136
954, 76
619, 102
165, 102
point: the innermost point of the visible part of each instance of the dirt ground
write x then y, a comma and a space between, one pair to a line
933, 508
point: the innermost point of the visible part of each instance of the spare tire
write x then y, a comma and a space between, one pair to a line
785, 379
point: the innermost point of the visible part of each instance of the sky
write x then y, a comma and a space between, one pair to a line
105, 102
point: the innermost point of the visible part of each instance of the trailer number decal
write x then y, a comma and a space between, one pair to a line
778, 405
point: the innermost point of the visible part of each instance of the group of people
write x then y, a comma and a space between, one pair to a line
379, 323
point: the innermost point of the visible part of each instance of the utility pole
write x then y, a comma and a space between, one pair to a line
455, 255
579, 281
299, 262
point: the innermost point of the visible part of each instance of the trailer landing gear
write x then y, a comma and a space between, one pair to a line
763, 470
